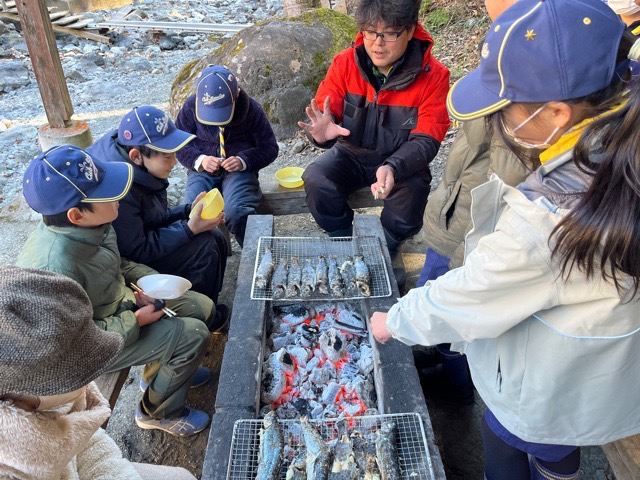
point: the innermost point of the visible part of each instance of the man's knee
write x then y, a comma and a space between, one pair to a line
193, 338
195, 305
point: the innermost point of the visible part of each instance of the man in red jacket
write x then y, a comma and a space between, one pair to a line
383, 118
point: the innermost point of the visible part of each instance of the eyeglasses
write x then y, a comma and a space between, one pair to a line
372, 35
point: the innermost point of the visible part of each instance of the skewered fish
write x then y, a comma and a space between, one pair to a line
297, 468
279, 279
294, 278
386, 451
344, 464
265, 269
335, 279
363, 278
348, 272
308, 279
319, 455
322, 275
271, 448
371, 471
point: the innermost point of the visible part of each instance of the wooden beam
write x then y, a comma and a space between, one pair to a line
12, 17
43, 52
624, 457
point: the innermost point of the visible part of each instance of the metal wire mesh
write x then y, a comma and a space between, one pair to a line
313, 247
411, 444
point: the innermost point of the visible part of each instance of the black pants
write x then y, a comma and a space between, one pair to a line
337, 173
202, 261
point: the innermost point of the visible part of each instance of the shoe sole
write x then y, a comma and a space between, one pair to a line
144, 426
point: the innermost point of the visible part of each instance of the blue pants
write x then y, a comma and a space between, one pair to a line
241, 192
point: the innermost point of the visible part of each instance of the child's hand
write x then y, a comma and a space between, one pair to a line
232, 164
142, 299
198, 225
322, 127
210, 163
147, 315
379, 327
382, 188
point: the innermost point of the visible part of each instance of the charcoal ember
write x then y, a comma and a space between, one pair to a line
312, 364
365, 363
264, 410
330, 394
281, 341
316, 409
300, 355
322, 375
332, 344
309, 332
273, 384
350, 321
302, 406
287, 411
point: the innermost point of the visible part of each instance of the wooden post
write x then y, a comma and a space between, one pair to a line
43, 51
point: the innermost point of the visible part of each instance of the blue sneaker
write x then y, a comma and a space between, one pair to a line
191, 421
200, 377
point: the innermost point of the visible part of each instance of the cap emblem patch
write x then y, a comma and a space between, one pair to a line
530, 35
210, 100
485, 51
88, 168
162, 123
127, 135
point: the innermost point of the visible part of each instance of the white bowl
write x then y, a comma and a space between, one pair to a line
164, 287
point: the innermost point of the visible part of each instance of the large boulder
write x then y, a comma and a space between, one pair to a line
279, 63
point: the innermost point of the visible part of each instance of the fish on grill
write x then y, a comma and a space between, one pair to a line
319, 455
322, 275
348, 272
371, 470
294, 278
335, 279
297, 468
279, 279
363, 278
265, 269
308, 278
344, 463
386, 453
271, 448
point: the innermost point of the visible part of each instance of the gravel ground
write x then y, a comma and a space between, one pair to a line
104, 83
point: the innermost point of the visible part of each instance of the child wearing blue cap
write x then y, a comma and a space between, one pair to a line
546, 303
150, 232
77, 196
234, 140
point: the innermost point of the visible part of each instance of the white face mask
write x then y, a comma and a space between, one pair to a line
511, 133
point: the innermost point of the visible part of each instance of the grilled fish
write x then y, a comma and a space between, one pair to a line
348, 272
294, 278
322, 275
271, 448
386, 451
335, 279
265, 269
371, 471
363, 278
279, 279
308, 279
297, 468
319, 455
344, 464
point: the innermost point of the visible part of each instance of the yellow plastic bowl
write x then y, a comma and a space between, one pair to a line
290, 177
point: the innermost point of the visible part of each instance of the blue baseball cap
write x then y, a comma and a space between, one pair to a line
151, 127
64, 176
216, 94
540, 51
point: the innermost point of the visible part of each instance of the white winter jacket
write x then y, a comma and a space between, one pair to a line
61, 445
556, 361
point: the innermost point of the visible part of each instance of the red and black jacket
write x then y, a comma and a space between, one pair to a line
405, 120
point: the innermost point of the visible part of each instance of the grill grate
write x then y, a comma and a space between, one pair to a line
413, 455
312, 247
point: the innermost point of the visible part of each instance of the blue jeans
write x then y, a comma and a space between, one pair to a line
241, 192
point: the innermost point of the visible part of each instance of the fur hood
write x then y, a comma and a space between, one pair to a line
62, 444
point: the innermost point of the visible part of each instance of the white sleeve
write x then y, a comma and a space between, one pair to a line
503, 281
197, 165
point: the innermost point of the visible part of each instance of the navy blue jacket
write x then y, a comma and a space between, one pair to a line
147, 229
248, 135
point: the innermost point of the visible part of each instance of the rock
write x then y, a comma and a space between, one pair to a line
298, 146
279, 63
139, 64
93, 59
13, 75
23, 140
167, 44
3, 28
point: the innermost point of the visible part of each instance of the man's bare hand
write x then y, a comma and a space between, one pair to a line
211, 164
147, 315
322, 127
232, 164
385, 181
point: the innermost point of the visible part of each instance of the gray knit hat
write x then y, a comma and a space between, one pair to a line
49, 344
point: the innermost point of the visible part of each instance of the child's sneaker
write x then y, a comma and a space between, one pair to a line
200, 377
191, 421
